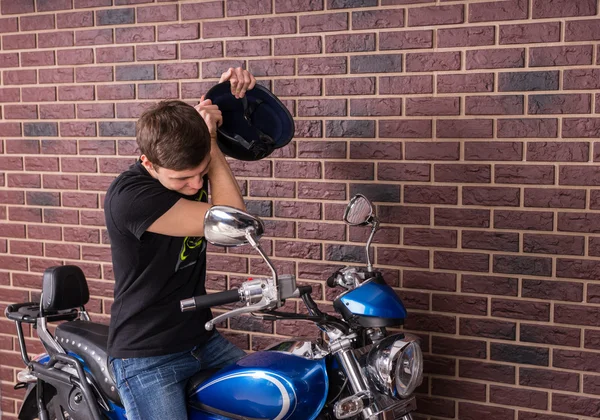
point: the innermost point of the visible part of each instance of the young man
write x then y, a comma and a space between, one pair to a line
154, 215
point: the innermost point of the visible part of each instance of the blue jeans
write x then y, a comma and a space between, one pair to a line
154, 387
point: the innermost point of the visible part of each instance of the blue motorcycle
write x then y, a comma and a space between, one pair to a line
360, 372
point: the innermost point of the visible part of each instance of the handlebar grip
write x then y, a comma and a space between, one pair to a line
207, 301
331, 280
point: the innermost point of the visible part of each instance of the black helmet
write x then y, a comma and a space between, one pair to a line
254, 125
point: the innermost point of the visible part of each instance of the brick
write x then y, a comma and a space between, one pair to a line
493, 241
245, 8
117, 129
177, 71
465, 37
350, 129
60, 181
542, 378
40, 129
560, 104
324, 22
76, 93
519, 397
491, 285
381, 63
94, 37
377, 150
553, 244
22, 146
512, 264
495, 58
430, 194
116, 92
402, 171
298, 169
300, 210
17, 7
494, 105
13, 42
349, 43
75, 56
575, 405
212, 49
403, 257
8, 25
286, 6
188, 90
57, 111
528, 81
497, 151
24, 180
464, 83
157, 91
273, 26
431, 323
12, 162
461, 261
524, 174
459, 304
156, 52
409, 129
178, 32
498, 11
569, 55
9, 60
591, 385
404, 40
37, 58
461, 217
135, 72
136, 35
429, 280
581, 127
38, 22
321, 107
405, 84
575, 360
378, 19
529, 33
579, 269
404, 215
350, 86
248, 48
216, 68
80, 4
582, 30
481, 327
491, 196
19, 77
488, 372
98, 147
431, 151
558, 151
74, 20
579, 175
114, 54
528, 127
435, 15
578, 222
376, 107
156, 13
321, 231
523, 220
26, 112
467, 128
442, 238
205, 10
458, 347
217, 29
432, 106
563, 8
340, 4
459, 389
57, 39
349, 170
297, 87
438, 61
94, 74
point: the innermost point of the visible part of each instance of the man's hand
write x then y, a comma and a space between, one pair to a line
241, 80
211, 114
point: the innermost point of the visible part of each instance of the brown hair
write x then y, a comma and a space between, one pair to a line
173, 135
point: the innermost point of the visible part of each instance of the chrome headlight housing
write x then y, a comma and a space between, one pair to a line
394, 365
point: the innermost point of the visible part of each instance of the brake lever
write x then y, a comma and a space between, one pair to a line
251, 308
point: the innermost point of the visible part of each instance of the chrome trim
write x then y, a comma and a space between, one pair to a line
307, 349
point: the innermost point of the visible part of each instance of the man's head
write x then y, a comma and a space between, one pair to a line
175, 145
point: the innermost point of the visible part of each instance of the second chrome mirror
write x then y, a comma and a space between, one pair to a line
228, 226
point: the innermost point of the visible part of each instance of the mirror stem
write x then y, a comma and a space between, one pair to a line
375, 223
252, 241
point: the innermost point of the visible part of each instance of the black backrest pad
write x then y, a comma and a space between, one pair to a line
64, 287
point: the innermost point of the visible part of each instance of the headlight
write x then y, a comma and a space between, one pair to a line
395, 365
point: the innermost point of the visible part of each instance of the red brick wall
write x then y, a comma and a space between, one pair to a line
473, 125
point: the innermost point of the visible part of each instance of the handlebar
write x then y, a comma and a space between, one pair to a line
207, 301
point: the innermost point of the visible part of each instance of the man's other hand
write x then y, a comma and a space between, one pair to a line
211, 114
241, 80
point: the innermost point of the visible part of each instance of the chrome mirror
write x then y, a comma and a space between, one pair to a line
359, 211
228, 226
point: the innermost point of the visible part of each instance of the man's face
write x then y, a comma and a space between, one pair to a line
187, 181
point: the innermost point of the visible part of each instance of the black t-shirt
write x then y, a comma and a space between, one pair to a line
153, 272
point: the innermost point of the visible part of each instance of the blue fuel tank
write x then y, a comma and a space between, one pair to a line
263, 385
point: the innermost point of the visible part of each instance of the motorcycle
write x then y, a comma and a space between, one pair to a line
360, 372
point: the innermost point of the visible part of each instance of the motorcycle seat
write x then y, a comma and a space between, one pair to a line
89, 340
